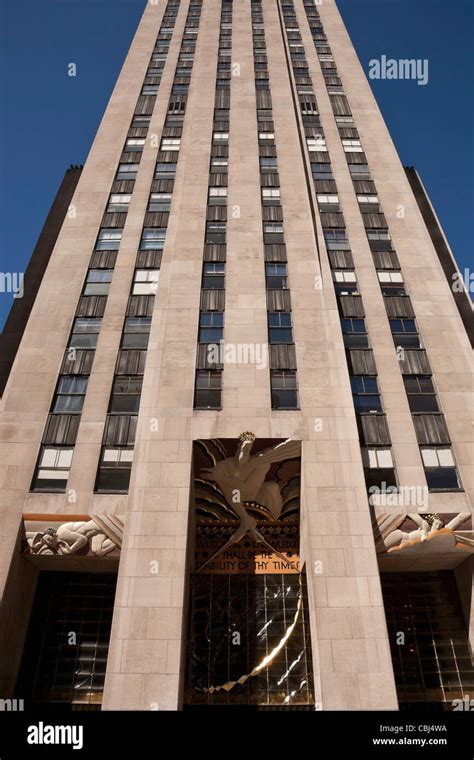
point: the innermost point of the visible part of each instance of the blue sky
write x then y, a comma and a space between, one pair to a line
48, 119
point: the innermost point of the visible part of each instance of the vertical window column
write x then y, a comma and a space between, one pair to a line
283, 371
372, 424
209, 364
114, 471
62, 425
428, 419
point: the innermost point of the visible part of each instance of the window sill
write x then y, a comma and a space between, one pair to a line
107, 493
445, 490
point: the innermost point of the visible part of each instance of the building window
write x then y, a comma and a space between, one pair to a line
211, 326
355, 333
160, 202
359, 171
179, 89
125, 398
377, 457
273, 233
405, 333
378, 467
170, 143
140, 122
153, 238
70, 393
346, 290
217, 196
219, 165
135, 144
389, 289
136, 332
118, 202
108, 240
379, 240
127, 171
145, 282
316, 144
308, 108
216, 232
421, 393
283, 389
390, 277
165, 171
328, 203
53, 469
440, 469
114, 470
352, 146
268, 165
213, 276
365, 394
321, 171
98, 281
336, 240
279, 327
346, 275
369, 203
270, 196
56, 674
85, 332
208, 389
277, 276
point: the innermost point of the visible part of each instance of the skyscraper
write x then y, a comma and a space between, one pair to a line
235, 437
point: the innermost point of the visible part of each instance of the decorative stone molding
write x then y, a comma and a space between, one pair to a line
426, 541
76, 535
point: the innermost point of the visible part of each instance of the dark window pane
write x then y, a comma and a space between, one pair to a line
54, 484
210, 334
83, 340
277, 283
72, 384
135, 340
137, 324
68, 404
423, 403
442, 477
213, 282
113, 480
379, 477
284, 399
407, 341
281, 335
125, 403
208, 399
367, 404
356, 341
